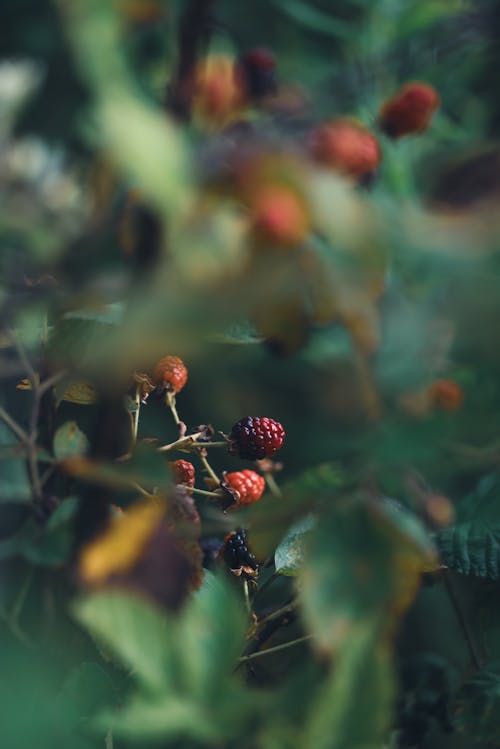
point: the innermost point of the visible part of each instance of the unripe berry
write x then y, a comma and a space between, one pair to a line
280, 216
446, 394
410, 110
256, 437
170, 373
345, 146
217, 94
183, 472
246, 486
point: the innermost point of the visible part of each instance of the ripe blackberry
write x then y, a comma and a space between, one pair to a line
170, 373
236, 554
256, 437
246, 486
182, 472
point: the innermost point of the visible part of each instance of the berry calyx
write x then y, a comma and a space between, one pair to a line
346, 146
446, 394
246, 487
256, 437
280, 216
183, 472
170, 373
410, 110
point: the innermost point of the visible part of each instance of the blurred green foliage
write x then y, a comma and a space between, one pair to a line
126, 235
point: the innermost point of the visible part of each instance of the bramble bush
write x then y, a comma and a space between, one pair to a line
249, 392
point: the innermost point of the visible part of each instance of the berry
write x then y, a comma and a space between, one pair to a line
410, 110
446, 394
236, 554
171, 373
183, 472
345, 146
217, 95
280, 215
255, 73
256, 437
246, 485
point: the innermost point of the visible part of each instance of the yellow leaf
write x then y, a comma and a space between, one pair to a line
81, 393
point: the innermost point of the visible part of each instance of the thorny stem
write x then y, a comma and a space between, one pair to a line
208, 467
272, 485
186, 444
279, 612
170, 401
247, 597
14, 426
202, 492
267, 651
135, 415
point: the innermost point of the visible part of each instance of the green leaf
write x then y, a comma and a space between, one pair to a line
476, 707
212, 631
239, 333
353, 709
290, 553
15, 484
134, 630
69, 441
49, 546
472, 545
359, 563
109, 314
314, 19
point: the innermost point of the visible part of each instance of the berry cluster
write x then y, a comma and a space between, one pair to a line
251, 438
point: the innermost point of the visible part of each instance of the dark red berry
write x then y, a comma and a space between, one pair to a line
171, 373
255, 72
247, 486
256, 437
183, 472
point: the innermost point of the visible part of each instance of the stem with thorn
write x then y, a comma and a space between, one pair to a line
275, 649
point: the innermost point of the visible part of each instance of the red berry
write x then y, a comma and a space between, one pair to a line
183, 472
255, 73
247, 485
171, 372
256, 437
410, 110
345, 146
446, 394
280, 215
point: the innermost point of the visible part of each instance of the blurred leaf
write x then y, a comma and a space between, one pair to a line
79, 392
213, 633
289, 555
89, 687
134, 630
359, 563
476, 707
238, 333
110, 314
354, 706
69, 441
15, 485
49, 546
314, 19
472, 545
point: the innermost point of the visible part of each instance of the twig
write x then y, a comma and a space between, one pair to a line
475, 654
170, 401
279, 612
135, 415
267, 651
14, 426
273, 486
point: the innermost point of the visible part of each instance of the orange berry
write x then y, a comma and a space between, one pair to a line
280, 215
345, 146
171, 373
217, 94
446, 394
410, 110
